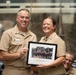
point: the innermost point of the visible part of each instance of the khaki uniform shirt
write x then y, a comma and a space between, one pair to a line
55, 39
71, 71
13, 40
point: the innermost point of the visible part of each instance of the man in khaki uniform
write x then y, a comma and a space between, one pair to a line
14, 46
55, 67
68, 64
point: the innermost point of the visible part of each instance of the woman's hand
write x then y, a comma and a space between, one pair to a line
43, 66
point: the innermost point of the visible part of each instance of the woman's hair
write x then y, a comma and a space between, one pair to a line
53, 20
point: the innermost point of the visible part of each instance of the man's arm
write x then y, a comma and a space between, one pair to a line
8, 56
11, 56
0, 56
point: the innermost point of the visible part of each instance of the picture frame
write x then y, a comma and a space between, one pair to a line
41, 53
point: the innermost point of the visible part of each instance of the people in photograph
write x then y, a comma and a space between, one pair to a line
68, 64
55, 67
14, 45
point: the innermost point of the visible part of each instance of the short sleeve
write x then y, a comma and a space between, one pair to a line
5, 41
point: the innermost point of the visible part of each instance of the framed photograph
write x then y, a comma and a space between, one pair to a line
41, 53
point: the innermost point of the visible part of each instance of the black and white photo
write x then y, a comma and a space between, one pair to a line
38, 53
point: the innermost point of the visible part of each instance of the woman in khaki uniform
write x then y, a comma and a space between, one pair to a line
14, 44
55, 67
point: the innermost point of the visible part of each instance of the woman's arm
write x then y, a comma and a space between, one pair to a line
57, 62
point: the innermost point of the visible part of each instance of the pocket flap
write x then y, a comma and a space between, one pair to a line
17, 41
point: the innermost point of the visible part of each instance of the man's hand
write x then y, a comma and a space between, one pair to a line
22, 51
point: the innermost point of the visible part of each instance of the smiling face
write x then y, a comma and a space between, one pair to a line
68, 61
23, 18
48, 27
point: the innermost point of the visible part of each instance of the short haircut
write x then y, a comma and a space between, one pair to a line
70, 54
53, 20
24, 10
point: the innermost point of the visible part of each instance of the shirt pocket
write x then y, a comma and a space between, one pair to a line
17, 41
16, 44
